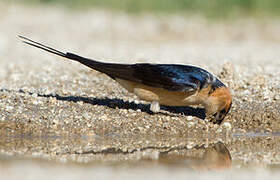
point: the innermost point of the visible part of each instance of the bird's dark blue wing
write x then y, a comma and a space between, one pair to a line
168, 76
172, 77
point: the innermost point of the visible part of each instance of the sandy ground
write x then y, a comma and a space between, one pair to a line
56, 109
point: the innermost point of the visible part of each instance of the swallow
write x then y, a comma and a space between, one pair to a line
215, 157
161, 84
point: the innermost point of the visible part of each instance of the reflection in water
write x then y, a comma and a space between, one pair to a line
104, 151
184, 153
215, 157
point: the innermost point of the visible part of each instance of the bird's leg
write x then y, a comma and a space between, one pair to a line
155, 107
209, 117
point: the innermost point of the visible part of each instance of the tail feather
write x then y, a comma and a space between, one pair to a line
41, 46
85, 61
113, 70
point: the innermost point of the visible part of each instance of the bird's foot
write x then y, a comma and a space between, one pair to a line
211, 118
155, 107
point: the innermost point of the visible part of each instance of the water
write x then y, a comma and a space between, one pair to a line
239, 155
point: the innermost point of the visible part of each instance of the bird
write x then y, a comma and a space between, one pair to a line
161, 84
215, 157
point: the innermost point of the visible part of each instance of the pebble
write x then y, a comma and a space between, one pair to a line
189, 118
9, 108
227, 125
190, 144
277, 97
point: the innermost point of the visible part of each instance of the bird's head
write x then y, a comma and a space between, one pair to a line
219, 103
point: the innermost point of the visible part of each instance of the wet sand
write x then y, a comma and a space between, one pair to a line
58, 110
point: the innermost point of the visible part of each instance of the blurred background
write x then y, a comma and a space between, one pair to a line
210, 8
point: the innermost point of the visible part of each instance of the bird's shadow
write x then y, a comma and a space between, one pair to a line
121, 104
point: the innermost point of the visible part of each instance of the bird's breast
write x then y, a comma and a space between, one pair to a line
163, 96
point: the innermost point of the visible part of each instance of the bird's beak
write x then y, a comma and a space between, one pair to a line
219, 117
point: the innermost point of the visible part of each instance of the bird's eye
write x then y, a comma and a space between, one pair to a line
223, 111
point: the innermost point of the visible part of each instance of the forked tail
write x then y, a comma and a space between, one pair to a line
113, 70
85, 61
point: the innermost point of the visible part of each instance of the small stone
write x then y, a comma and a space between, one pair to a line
34, 95
276, 97
131, 111
89, 124
190, 144
80, 102
86, 116
191, 124
35, 102
55, 121
227, 125
189, 118
9, 108
165, 125
219, 130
